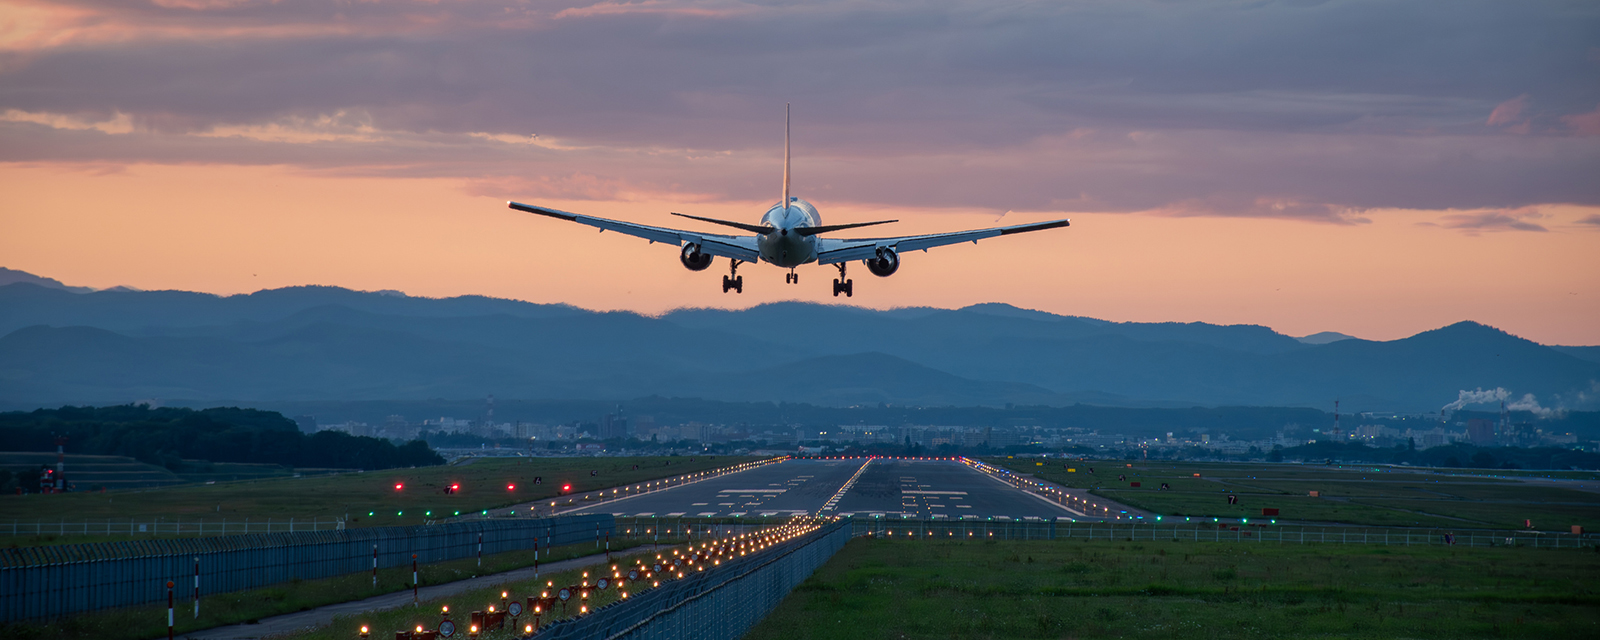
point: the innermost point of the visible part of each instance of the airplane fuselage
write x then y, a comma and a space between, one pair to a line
783, 247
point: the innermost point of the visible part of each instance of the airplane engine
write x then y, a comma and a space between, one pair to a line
885, 264
692, 259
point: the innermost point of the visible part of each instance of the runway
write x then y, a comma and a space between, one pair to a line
793, 487
896, 488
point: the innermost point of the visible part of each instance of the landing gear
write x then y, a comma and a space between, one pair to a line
843, 284
791, 277
733, 280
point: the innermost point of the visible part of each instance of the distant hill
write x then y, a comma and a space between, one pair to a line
1324, 337
328, 343
1592, 354
9, 276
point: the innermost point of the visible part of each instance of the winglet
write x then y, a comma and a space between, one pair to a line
785, 200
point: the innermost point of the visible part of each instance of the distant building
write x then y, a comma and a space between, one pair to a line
1481, 432
613, 426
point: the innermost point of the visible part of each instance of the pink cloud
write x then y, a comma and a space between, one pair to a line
1478, 221
1592, 219
1585, 124
1508, 112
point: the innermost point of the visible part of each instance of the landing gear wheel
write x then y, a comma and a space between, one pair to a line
733, 280
842, 284
791, 278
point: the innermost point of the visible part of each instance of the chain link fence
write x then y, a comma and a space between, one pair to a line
50, 582
717, 605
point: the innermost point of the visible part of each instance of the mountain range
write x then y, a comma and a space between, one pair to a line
65, 345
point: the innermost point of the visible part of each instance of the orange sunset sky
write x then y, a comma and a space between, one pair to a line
231, 146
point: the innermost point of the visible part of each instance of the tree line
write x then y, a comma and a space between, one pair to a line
168, 436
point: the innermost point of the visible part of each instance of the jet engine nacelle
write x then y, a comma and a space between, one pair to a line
693, 259
885, 264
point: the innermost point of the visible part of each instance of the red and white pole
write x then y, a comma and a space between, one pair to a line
169, 609
536, 558
480, 549
374, 566
197, 588
414, 583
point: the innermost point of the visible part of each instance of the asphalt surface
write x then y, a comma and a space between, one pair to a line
942, 489
793, 487
938, 489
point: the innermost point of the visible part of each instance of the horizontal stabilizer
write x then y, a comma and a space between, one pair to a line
752, 228
828, 228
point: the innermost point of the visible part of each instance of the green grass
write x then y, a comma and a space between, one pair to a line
1035, 589
1366, 495
150, 621
353, 495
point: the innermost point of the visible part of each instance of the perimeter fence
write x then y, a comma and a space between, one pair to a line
907, 529
716, 605
50, 582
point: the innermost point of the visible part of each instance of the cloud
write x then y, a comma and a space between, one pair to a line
1508, 112
1584, 124
1474, 222
1195, 109
118, 123
1592, 219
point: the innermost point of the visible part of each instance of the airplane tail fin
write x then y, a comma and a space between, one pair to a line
785, 200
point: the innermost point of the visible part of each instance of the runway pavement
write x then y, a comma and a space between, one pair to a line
934, 489
792, 487
941, 489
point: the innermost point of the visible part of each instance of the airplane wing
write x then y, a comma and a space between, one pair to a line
836, 250
736, 247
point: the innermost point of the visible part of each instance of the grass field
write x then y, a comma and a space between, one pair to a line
1034, 589
1367, 495
483, 486
150, 621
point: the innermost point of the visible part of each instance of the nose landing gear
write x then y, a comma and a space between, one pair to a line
842, 284
733, 280
791, 277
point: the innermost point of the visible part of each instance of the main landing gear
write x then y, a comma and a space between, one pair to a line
734, 280
791, 277
842, 284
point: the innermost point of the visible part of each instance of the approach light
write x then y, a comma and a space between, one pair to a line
399, 485
511, 487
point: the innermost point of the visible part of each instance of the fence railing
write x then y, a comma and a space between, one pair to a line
717, 605
53, 581
169, 527
895, 528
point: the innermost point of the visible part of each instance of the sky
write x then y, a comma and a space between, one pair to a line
1374, 168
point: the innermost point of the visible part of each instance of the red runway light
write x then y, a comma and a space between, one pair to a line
511, 487
398, 486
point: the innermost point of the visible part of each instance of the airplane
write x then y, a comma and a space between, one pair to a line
788, 235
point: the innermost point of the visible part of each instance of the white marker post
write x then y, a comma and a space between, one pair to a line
414, 583
197, 588
169, 609
374, 566
480, 549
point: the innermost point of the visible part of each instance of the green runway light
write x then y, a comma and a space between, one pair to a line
458, 513
370, 514
399, 513
428, 513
